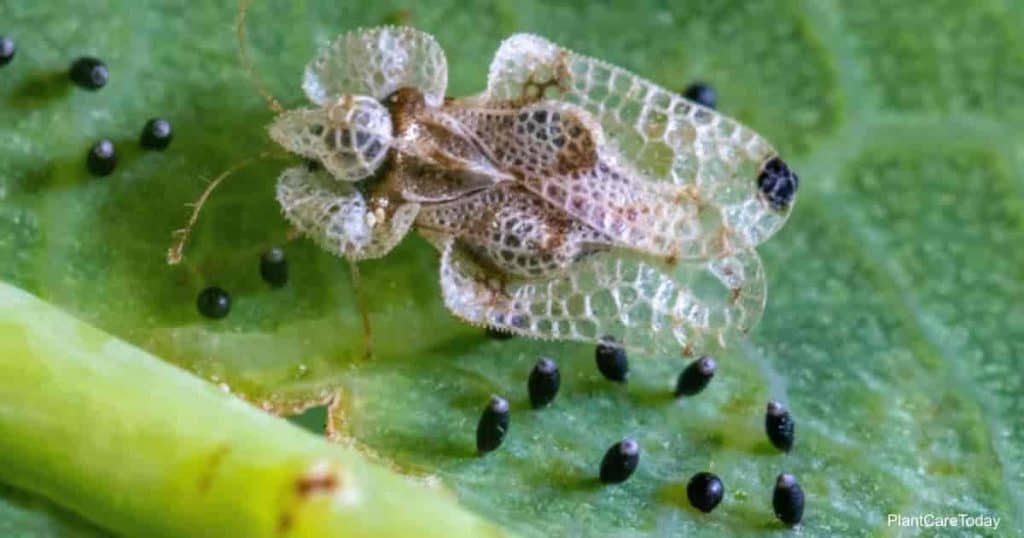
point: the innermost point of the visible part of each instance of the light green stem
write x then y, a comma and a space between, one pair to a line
145, 449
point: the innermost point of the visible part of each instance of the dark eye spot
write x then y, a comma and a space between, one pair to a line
777, 183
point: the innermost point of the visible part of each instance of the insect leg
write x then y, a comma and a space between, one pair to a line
364, 311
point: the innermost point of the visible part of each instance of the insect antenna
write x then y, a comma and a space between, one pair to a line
243, 56
275, 106
181, 236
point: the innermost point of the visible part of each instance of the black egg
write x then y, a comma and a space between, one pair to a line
102, 158
498, 334
777, 183
7, 50
779, 426
214, 302
493, 425
702, 94
620, 461
705, 491
612, 360
156, 134
543, 382
696, 376
89, 73
274, 267
788, 499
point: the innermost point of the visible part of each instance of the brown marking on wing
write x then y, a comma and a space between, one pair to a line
578, 153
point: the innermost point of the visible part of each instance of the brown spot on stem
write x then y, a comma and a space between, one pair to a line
213, 463
317, 481
284, 522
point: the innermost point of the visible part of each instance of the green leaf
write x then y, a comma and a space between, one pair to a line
893, 329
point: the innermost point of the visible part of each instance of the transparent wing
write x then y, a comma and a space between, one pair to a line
350, 138
658, 134
376, 62
338, 218
557, 151
513, 232
646, 306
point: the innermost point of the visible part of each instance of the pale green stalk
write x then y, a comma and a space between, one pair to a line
145, 449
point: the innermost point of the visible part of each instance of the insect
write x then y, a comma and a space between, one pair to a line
571, 200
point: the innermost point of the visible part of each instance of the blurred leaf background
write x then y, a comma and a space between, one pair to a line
894, 328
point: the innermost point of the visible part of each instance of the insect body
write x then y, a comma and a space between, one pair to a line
570, 200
